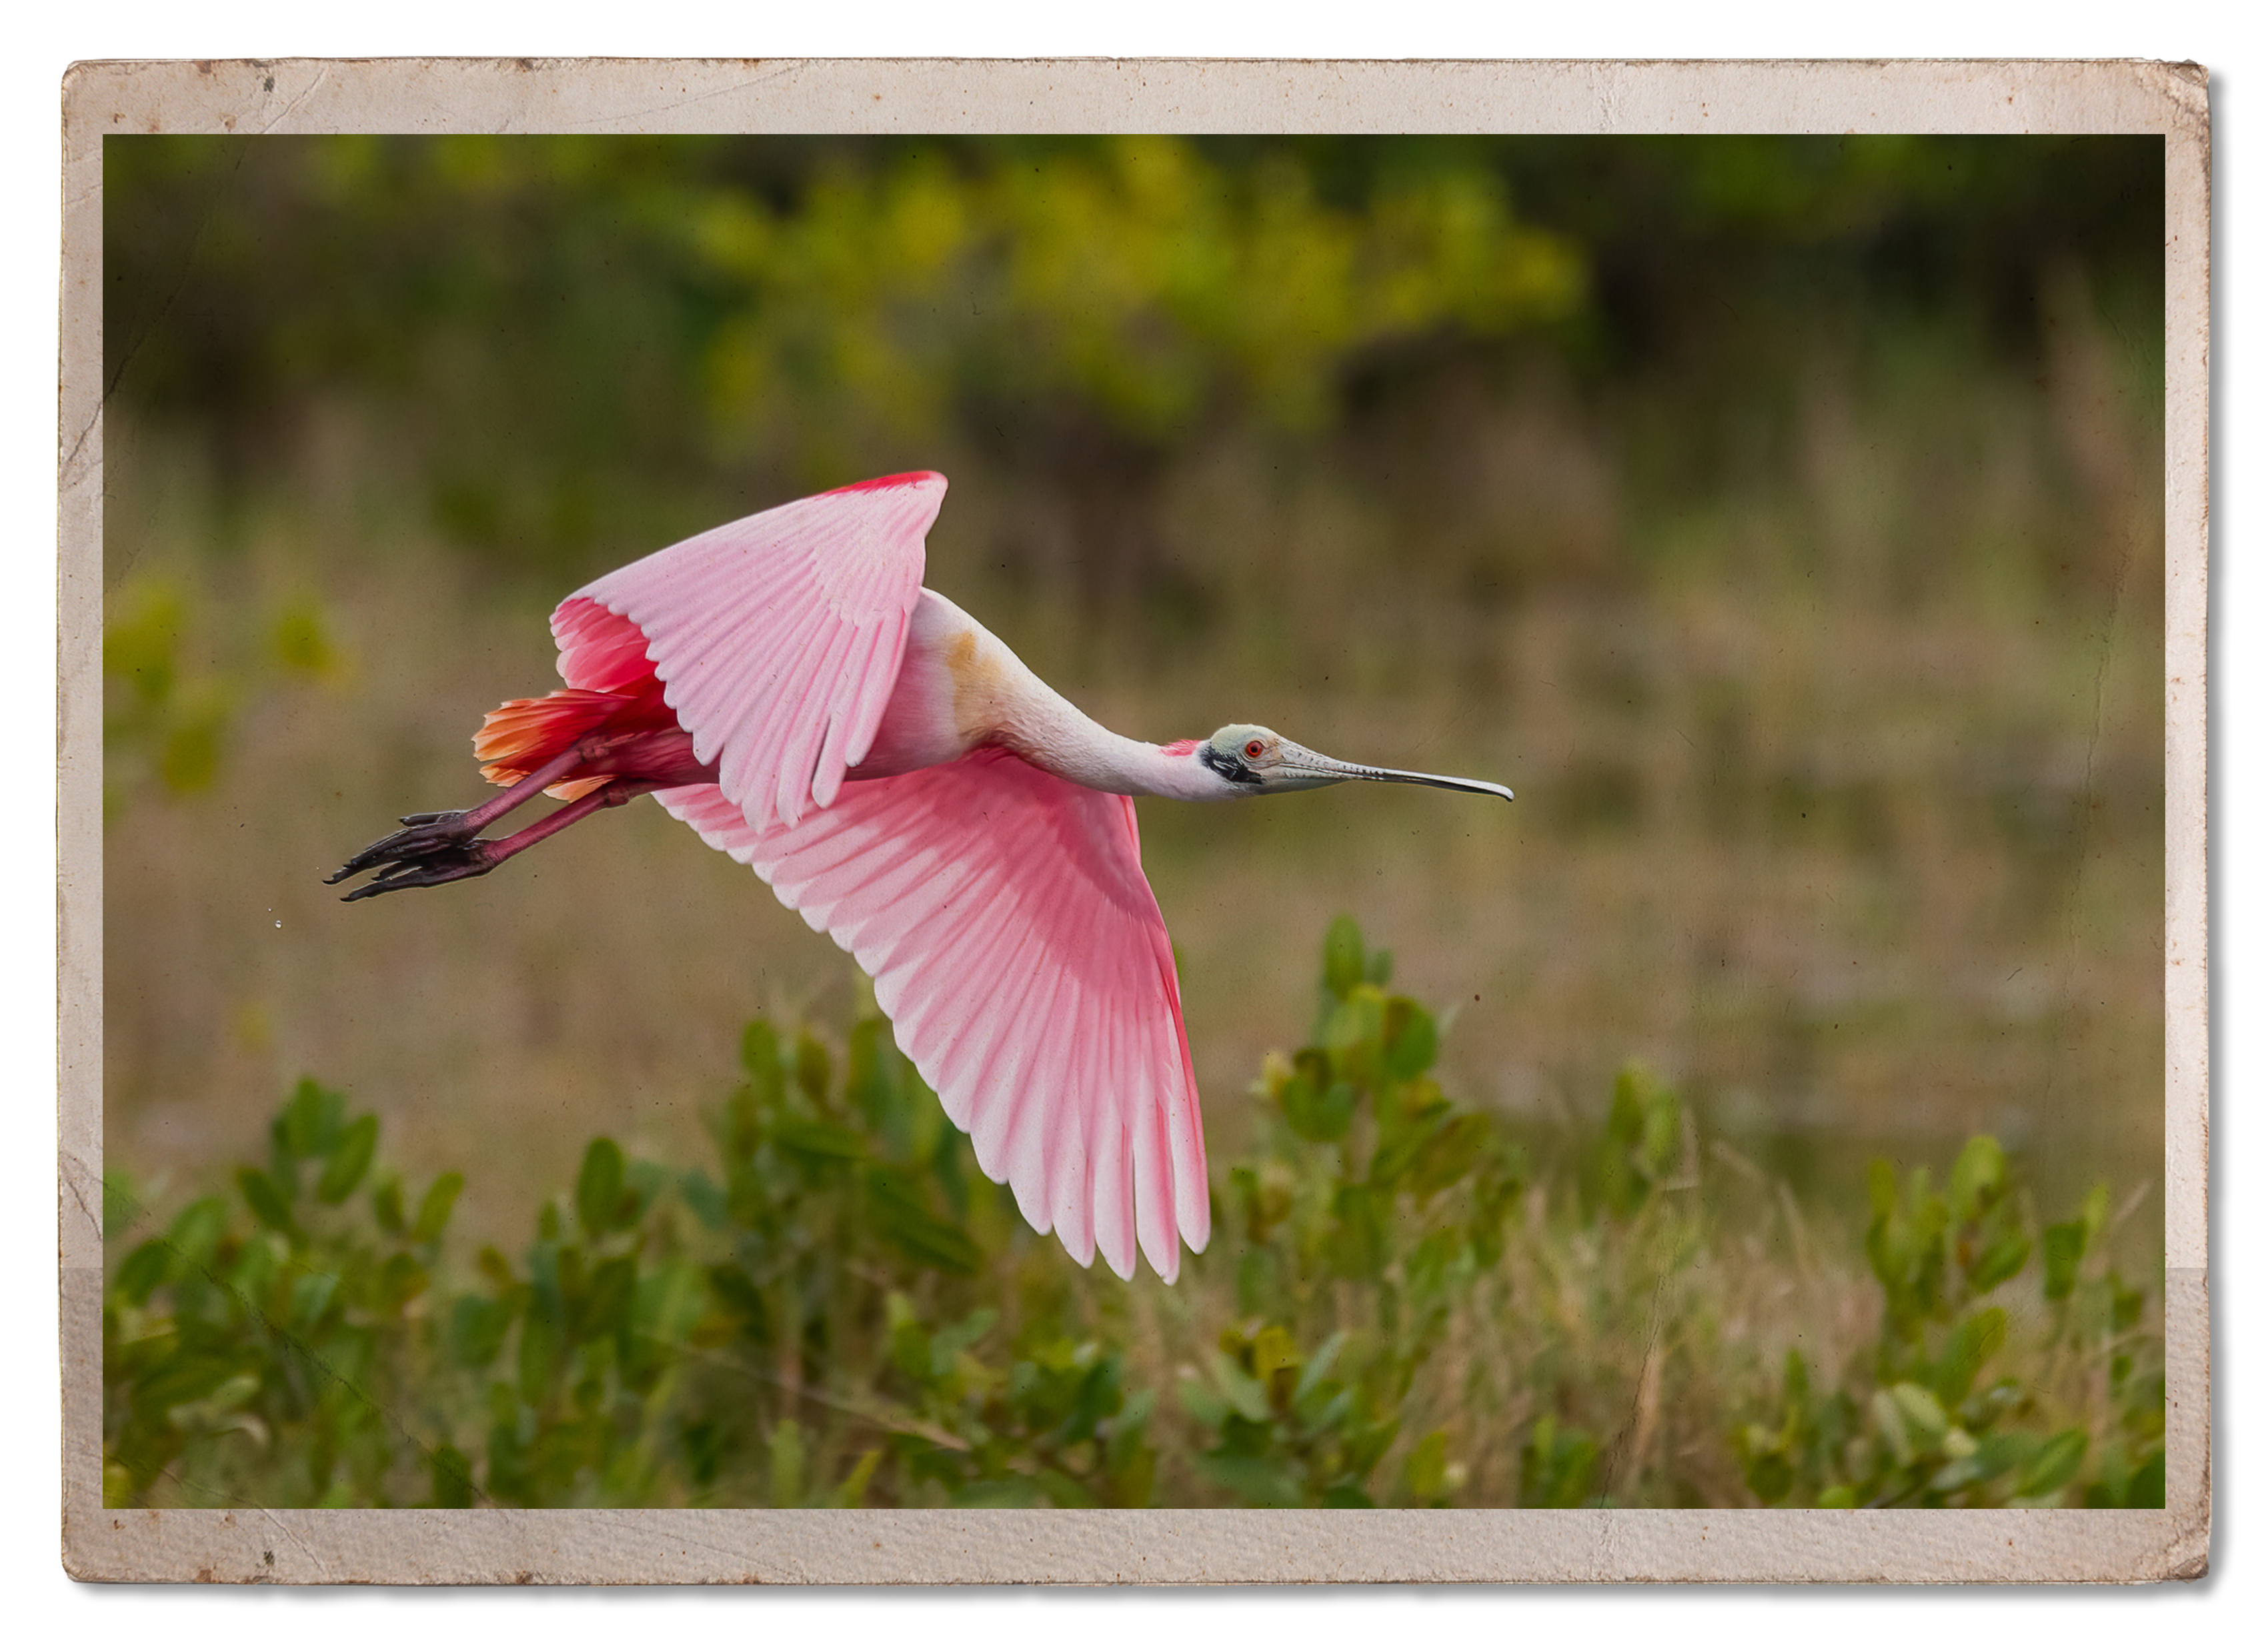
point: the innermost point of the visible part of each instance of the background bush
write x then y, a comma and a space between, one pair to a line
837, 1310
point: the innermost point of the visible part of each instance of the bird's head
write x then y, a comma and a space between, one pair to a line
1252, 759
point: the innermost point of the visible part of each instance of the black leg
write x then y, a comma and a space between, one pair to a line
437, 832
438, 850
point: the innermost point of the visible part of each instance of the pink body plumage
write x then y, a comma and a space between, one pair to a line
900, 778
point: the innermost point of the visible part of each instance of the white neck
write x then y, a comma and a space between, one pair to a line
958, 687
1111, 763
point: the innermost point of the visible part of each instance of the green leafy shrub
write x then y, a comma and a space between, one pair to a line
1374, 1204
269, 1345
1400, 1308
1947, 1421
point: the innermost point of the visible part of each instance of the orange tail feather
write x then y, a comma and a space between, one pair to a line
524, 734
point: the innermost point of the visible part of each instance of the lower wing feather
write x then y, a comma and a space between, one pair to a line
1017, 949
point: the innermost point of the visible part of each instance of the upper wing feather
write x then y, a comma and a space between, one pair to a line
778, 637
1020, 955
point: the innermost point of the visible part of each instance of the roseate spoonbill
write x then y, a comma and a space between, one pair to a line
787, 687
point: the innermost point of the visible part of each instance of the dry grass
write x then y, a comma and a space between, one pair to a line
1840, 799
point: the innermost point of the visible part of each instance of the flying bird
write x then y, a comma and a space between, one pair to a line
786, 687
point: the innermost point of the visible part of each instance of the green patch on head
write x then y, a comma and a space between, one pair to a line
1237, 738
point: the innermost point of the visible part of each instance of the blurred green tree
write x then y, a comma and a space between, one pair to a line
578, 343
572, 319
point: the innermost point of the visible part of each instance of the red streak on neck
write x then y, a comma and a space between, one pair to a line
1180, 749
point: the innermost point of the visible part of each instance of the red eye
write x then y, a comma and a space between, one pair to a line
1254, 749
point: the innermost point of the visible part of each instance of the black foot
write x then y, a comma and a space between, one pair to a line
437, 838
468, 860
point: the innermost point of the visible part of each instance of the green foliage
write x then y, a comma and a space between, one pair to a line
1939, 1427
177, 728
1644, 1141
1374, 1204
176, 672
1057, 1427
577, 342
799, 1332
1132, 282
1932, 1252
1557, 1468
588, 316
279, 1352
1399, 1309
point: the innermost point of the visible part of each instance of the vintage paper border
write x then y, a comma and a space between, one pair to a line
622, 95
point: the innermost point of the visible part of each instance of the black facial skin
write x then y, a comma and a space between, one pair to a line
1228, 767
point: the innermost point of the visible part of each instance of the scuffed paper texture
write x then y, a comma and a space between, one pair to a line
937, 1548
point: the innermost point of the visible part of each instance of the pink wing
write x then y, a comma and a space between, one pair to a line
778, 637
1015, 943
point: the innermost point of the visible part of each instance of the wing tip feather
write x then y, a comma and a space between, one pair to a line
917, 479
